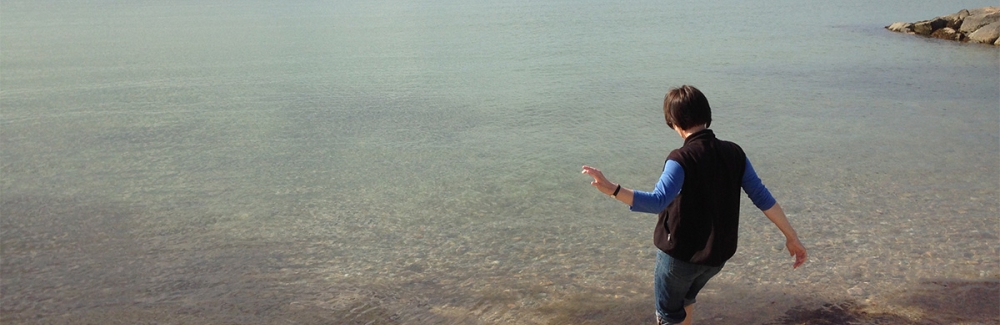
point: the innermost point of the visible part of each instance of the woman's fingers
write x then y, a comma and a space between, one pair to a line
593, 172
796, 249
599, 179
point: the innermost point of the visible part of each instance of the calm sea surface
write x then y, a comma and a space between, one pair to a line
418, 162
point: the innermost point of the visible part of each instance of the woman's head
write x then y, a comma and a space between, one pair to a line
686, 107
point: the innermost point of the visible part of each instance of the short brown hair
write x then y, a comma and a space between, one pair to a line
686, 107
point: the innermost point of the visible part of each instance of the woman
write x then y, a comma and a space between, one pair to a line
698, 201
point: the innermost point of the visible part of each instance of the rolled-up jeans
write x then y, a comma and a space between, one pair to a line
676, 285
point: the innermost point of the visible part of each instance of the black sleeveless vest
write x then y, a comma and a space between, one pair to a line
701, 224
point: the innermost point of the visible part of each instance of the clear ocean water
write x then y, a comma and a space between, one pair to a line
418, 162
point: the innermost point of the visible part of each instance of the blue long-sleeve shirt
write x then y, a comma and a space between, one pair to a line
673, 178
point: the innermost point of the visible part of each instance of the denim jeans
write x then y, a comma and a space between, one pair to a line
676, 285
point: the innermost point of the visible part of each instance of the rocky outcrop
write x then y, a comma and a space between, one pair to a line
975, 26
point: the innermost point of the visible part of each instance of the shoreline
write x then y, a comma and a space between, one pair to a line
927, 302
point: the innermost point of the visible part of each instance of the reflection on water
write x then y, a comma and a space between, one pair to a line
391, 163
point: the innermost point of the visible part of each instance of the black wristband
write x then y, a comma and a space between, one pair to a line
619, 188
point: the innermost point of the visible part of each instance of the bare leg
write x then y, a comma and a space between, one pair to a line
688, 309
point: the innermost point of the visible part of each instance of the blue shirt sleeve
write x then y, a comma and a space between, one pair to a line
666, 190
756, 190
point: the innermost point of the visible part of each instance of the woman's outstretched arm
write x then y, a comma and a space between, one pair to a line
795, 247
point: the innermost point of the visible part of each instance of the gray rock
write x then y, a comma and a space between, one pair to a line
901, 27
955, 19
983, 11
948, 34
926, 27
963, 13
987, 34
974, 22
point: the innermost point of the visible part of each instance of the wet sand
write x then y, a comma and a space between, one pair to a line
926, 303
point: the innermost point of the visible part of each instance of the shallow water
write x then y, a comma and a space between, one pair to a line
418, 162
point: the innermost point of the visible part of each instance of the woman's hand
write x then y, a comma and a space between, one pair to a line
796, 249
600, 182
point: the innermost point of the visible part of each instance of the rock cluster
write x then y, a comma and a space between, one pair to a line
976, 26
